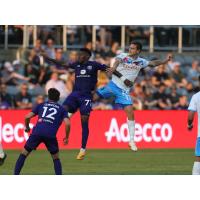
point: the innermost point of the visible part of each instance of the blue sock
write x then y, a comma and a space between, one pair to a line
85, 133
19, 164
57, 166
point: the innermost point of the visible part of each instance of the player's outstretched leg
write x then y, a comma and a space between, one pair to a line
20, 161
85, 133
131, 126
2, 155
57, 164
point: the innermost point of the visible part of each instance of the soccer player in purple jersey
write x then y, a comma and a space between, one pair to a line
50, 117
81, 96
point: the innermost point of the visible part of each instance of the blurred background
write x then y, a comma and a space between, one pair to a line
25, 77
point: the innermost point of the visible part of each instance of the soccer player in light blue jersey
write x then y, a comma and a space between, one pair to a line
124, 72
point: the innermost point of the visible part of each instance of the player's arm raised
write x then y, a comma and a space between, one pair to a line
27, 121
155, 63
67, 131
53, 60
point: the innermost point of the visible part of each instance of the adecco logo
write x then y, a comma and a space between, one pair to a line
10, 133
148, 132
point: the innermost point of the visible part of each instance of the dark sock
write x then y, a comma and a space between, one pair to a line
57, 166
85, 133
19, 164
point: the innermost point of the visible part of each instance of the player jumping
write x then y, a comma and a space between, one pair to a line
50, 116
127, 66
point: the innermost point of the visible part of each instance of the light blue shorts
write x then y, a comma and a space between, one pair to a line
197, 149
112, 90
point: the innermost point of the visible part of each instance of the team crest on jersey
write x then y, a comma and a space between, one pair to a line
83, 71
127, 60
89, 67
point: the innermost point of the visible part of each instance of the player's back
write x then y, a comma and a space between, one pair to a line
50, 117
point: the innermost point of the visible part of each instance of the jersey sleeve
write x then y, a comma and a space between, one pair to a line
100, 66
35, 109
65, 114
120, 57
193, 104
144, 63
72, 65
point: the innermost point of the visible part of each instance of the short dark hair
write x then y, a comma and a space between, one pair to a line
86, 50
53, 94
138, 45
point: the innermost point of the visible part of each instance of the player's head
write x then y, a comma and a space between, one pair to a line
53, 94
84, 55
135, 48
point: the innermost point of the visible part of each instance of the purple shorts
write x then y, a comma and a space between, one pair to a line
78, 100
35, 140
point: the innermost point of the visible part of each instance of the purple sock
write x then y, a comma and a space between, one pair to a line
19, 164
85, 133
57, 166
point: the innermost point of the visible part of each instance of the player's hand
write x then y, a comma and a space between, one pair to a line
65, 141
190, 127
128, 83
27, 129
110, 70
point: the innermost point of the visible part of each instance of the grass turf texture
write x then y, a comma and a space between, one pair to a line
106, 162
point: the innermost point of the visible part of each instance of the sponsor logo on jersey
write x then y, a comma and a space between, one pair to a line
89, 67
83, 71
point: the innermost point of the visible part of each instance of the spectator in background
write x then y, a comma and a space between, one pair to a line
49, 49
163, 100
193, 73
174, 97
60, 69
34, 56
32, 73
160, 74
44, 75
183, 103
5, 99
23, 98
54, 82
10, 77
114, 49
179, 76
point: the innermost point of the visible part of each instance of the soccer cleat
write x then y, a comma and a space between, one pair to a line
132, 146
3, 159
80, 155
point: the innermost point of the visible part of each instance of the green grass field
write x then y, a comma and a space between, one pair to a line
108, 162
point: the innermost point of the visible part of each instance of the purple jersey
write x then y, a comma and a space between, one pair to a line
50, 117
86, 75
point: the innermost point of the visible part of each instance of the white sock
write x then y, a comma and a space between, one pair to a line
196, 168
1, 151
82, 150
131, 128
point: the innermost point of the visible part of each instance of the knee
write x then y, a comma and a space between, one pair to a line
55, 156
84, 118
